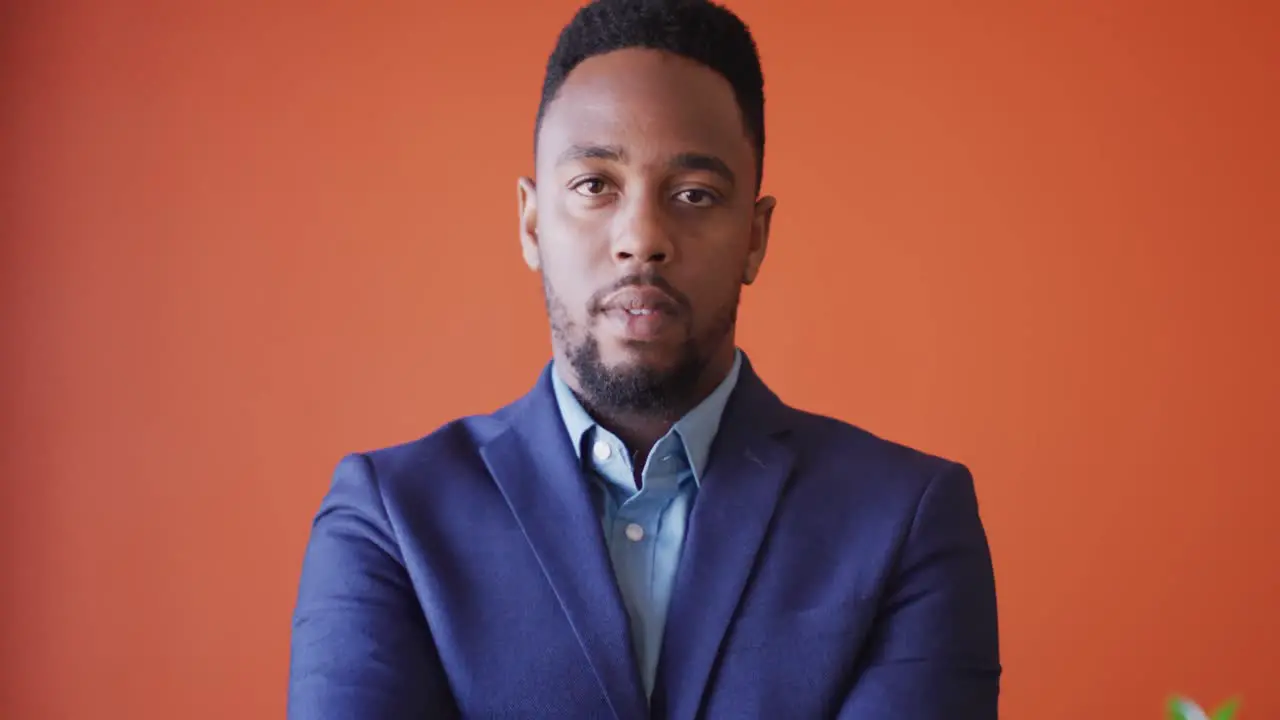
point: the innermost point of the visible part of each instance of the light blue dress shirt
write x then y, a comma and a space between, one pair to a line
645, 527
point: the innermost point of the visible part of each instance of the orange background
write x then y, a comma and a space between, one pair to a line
244, 238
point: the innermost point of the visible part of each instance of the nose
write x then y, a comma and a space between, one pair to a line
642, 236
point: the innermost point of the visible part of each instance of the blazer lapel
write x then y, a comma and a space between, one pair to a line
536, 469
747, 471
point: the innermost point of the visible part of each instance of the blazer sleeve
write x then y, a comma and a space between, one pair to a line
934, 648
360, 645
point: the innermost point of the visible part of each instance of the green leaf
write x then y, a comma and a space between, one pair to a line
1173, 709
1227, 710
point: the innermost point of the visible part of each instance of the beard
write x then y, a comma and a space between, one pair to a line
636, 388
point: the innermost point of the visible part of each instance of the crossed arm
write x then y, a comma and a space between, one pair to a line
361, 648
934, 651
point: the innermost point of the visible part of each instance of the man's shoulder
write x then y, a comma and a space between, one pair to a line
828, 441
452, 441
847, 476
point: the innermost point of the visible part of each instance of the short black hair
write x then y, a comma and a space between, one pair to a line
699, 30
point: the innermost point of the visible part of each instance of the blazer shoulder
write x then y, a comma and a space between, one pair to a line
831, 437
456, 441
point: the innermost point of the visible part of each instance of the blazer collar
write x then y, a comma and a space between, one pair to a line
535, 466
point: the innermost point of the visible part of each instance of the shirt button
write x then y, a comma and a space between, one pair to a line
602, 451
635, 533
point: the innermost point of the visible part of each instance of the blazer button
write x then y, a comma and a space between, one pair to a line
635, 533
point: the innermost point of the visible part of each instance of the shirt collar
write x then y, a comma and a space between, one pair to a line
696, 430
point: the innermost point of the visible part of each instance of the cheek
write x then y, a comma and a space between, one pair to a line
709, 294
574, 254
567, 282
573, 241
566, 273
716, 262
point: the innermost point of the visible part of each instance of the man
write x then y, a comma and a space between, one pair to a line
650, 532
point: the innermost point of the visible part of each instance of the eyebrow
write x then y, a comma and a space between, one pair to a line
591, 152
684, 161
705, 163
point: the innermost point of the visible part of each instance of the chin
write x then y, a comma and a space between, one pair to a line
623, 355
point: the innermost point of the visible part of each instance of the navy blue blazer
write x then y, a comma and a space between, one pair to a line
827, 573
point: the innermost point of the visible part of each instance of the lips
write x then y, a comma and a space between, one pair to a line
641, 301
641, 314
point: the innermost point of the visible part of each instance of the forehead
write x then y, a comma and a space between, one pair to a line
650, 103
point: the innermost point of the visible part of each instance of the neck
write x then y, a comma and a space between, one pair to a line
642, 430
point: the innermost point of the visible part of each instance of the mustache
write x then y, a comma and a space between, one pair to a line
652, 279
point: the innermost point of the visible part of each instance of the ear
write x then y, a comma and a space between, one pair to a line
528, 198
759, 238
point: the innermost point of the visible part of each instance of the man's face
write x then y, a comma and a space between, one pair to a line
645, 225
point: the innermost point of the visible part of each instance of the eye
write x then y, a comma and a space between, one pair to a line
697, 197
590, 187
